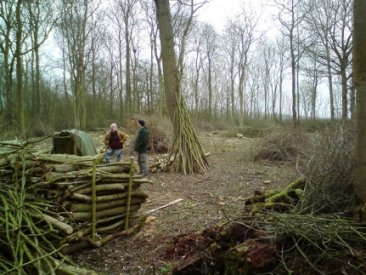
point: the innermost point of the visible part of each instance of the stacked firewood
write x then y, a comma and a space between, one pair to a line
84, 202
278, 200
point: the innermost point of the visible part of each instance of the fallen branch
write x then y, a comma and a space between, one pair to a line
163, 206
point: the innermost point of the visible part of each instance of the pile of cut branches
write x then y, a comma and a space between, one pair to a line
270, 242
316, 244
56, 204
327, 167
281, 146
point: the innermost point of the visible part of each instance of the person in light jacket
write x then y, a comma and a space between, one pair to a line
114, 141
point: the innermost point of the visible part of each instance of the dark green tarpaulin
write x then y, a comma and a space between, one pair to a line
73, 142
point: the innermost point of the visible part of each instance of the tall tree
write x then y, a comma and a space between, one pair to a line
359, 69
267, 55
96, 37
290, 18
230, 44
150, 19
73, 28
282, 61
312, 72
41, 21
189, 155
127, 10
197, 67
341, 44
320, 22
19, 64
209, 49
7, 28
183, 22
330, 21
118, 37
244, 29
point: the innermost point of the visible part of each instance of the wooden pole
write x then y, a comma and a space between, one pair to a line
94, 201
129, 193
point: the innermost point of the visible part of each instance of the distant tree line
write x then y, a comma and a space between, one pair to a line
83, 63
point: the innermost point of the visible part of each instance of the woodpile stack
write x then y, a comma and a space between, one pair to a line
278, 200
85, 202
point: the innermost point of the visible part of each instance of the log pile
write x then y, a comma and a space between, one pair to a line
160, 163
82, 203
278, 200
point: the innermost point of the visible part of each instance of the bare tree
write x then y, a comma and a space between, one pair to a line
126, 8
113, 73
198, 58
73, 28
290, 18
7, 28
117, 37
210, 48
183, 20
282, 60
331, 22
150, 19
41, 21
359, 67
187, 150
253, 89
95, 43
313, 73
230, 45
266, 57
341, 44
320, 24
19, 36
244, 29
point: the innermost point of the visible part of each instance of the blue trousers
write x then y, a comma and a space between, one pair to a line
110, 152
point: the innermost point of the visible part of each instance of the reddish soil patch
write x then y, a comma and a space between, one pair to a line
208, 200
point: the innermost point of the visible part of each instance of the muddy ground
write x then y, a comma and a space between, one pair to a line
208, 199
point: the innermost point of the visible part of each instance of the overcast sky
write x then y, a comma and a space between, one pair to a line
216, 12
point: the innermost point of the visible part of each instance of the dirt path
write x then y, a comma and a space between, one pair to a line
232, 178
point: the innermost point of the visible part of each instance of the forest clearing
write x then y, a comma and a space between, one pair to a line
207, 199
256, 131
214, 207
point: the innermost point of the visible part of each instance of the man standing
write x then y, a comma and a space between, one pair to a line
114, 140
141, 147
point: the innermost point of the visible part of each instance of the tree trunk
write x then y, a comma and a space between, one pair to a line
34, 11
353, 99
293, 83
6, 15
210, 92
160, 78
19, 66
330, 81
359, 68
128, 68
232, 90
241, 95
189, 156
344, 92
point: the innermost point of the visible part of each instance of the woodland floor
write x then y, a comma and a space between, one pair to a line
208, 200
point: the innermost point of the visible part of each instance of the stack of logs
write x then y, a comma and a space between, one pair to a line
277, 200
87, 202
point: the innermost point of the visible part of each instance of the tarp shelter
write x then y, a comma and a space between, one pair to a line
73, 142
